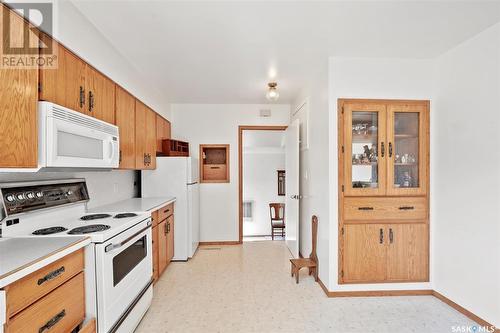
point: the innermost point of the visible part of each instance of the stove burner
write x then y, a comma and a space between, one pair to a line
49, 231
89, 229
123, 215
94, 217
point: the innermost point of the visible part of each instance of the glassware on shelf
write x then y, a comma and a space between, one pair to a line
406, 149
364, 149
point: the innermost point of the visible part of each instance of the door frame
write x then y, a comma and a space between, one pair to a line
242, 128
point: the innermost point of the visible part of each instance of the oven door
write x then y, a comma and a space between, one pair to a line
70, 144
124, 267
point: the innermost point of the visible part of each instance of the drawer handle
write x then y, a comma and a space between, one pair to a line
214, 167
52, 322
166, 211
365, 208
52, 275
406, 208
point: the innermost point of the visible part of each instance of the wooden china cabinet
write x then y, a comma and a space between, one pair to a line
383, 191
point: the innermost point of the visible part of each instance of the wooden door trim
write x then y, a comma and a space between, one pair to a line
242, 128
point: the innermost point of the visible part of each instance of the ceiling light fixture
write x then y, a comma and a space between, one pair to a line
272, 93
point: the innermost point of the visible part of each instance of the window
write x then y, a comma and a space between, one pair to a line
281, 182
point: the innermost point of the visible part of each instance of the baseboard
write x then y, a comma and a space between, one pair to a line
220, 243
465, 312
381, 293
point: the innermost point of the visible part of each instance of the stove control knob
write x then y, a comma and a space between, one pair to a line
39, 194
10, 198
20, 196
69, 193
30, 195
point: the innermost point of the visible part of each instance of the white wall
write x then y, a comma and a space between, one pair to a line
314, 168
218, 123
77, 33
104, 186
465, 175
260, 185
370, 78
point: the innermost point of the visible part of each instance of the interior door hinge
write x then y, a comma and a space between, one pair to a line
342, 149
342, 188
342, 231
342, 273
39, 87
342, 109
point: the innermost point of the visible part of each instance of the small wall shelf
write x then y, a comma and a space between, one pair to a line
214, 163
172, 147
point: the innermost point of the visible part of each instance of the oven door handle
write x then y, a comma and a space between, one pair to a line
112, 246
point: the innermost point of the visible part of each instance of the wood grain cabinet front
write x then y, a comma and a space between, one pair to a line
125, 120
145, 137
18, 105
60, 311
24, 292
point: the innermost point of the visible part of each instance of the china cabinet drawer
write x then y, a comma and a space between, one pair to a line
385, 208
24, 292
214, 171
166, 211
58, 312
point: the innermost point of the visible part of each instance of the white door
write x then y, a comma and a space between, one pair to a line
292, 187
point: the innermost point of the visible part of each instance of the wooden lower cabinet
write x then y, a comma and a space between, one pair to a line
163, 239
376, 253
60, 311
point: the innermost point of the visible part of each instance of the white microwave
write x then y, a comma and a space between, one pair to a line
70, 139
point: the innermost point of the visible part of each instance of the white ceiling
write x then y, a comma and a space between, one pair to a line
227, 51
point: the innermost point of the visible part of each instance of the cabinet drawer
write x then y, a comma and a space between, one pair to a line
24, 292
214, 172
373, 208
166, 211
58, 312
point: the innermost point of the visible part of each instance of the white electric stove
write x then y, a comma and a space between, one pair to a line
118, 263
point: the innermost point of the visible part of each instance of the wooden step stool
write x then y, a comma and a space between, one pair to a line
312, 262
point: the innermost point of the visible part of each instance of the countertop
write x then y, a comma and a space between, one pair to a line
134, 205
24, 255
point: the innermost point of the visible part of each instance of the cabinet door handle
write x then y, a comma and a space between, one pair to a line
382, 149
82, 97
52, 321
381, 236
91, 101
166, 230
52, 275
365, 208
168, 227
391, 236
406, 208
390, 149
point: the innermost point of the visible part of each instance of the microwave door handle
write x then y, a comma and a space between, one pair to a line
111, 149
112, 246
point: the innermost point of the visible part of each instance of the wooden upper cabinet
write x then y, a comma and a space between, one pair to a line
125, 120
162, 131
100, 95
18, 108
151, 138
64, 85
145, 137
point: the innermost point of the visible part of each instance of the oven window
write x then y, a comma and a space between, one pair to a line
73, 145
125, 261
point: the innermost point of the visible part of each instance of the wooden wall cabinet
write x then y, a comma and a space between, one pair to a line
163, 131
214, 163
383, 191
78, 86
18, 106
145, 137
125, 120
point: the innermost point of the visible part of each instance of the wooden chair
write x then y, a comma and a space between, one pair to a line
277, 212
312, 262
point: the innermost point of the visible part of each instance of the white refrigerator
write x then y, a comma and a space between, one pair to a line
178, 177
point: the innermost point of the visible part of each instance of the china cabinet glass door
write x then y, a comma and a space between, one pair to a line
365, 149
406, 171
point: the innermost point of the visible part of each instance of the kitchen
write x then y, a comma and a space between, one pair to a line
120, 168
